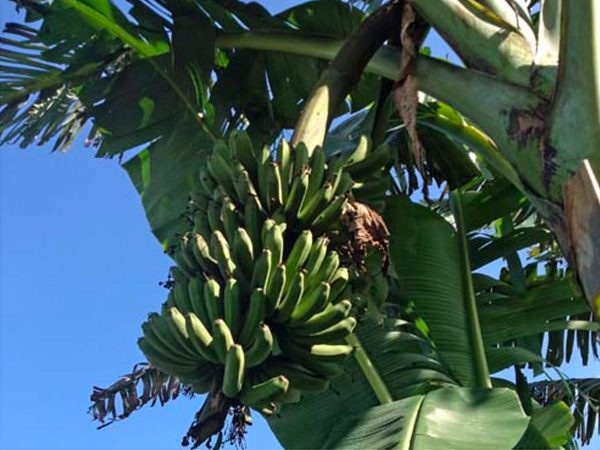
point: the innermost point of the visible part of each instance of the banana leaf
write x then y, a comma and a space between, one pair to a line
446, 419
425, 254
399, 355
164, 174
550, 427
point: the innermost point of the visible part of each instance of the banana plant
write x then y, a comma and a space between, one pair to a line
541, 127
516, 148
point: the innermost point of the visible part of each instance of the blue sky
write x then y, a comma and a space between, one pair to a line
79, 271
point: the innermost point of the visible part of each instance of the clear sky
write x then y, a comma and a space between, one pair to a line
79, 271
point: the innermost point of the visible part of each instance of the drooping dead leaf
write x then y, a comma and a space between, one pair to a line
155, 386
582, 211
406, 93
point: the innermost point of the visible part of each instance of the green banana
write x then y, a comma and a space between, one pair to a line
299, 377
381, 157
164, 363
291, 298
170, 300
275, 288
253, 220
222, 339
297, 196
268, 224
261, 348
255, 315
243, 150
221, 170
232, 302
317, 172
200, 338
270, 389
204, 259
179, 275
276, 197
262, 270
301, 159
335, 174
323, 320
284, 158
233, 375
165, 345
311, 303
181, 297
334, 333
331, 352
360, 152
316, 256
201, 224
273, 240
214, 217
264, 167
203, 382
344, 186
182, 264
187, 253
198, 200
332, 212
212, 299
316, 203
298, 255
206, 181
338, 282
303, 357
372, 188
326, 271
230, 218
220, 248
157, 333
244, 187
176, 327
243, 251
221, 148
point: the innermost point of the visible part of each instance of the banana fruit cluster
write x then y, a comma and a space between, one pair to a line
261, 301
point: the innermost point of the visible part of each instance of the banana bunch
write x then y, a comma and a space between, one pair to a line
291, 185
257, 320
260, 302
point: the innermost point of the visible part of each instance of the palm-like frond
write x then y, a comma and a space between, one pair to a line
41, 74
582, 395
155, 387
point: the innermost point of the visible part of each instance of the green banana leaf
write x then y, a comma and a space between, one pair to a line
499, 358
496, 199
490, 249
402, 359
541, 308
164, 174
582, 397
446, 419
425, 258
424, 251
550, 427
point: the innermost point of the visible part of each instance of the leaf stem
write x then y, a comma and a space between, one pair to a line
485, 102
481, 366
377, 384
